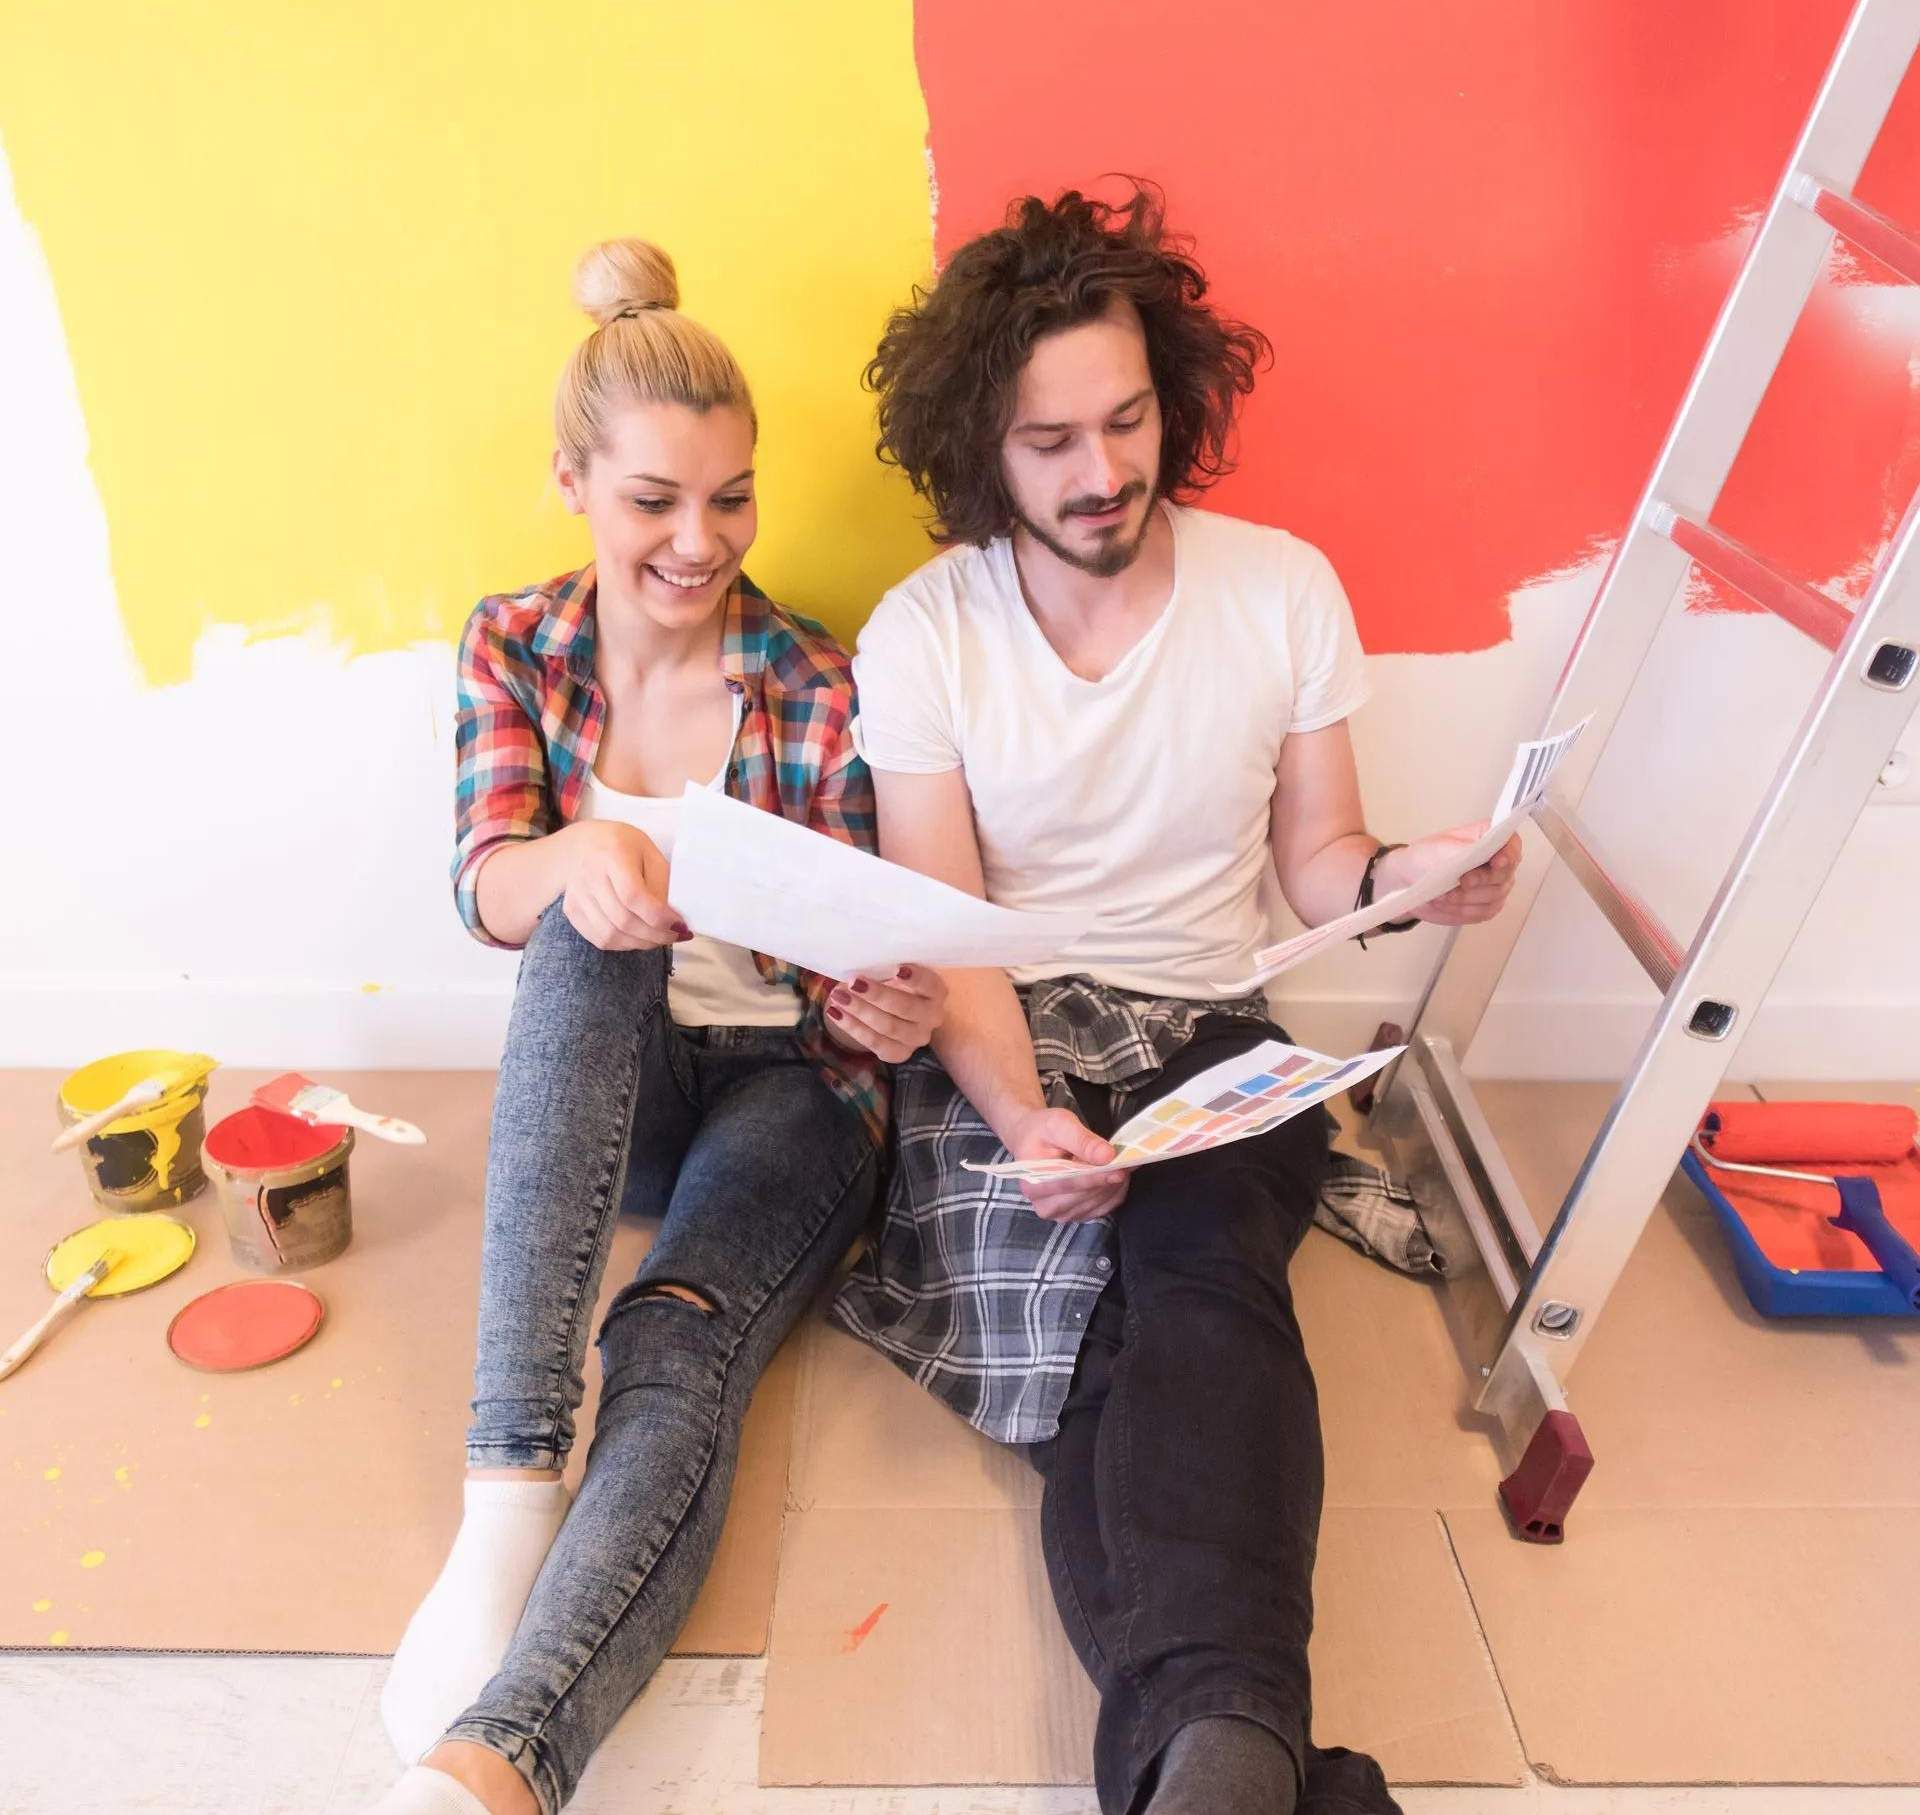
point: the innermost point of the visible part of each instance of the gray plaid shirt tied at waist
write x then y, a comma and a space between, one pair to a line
982, 1301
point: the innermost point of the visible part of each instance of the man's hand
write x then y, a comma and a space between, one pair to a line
1478, 895
1059, 1134
891, 1017
616, 893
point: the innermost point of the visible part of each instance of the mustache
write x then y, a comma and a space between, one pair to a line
1092, 507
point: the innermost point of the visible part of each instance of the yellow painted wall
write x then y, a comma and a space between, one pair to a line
312, 261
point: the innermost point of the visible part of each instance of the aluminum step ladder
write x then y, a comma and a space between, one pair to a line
1522, 1315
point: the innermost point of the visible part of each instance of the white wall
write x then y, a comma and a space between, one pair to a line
255, 862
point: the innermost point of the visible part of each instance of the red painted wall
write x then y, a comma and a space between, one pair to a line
1487, 239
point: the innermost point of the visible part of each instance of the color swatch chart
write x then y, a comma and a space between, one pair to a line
1232, 1101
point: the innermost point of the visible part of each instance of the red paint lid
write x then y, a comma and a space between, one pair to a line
245, 1325
264, 1140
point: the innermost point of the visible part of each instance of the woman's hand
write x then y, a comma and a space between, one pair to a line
891, 1017
616, 890
1059, 1134
1478, 895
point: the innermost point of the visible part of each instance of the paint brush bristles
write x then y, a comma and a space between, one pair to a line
294, 1095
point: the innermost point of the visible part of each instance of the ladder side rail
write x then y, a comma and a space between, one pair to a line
1822, 786
1722, 397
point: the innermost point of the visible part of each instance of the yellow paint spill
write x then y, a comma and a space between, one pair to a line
201, 1423
62, 1637
43, 1606
93, 1559
336, 1383
293, 1398
123, 1474
206, 1398
371, 989
51, 1474
793, 259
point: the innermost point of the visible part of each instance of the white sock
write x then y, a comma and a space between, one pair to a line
423, 1791
460, 1632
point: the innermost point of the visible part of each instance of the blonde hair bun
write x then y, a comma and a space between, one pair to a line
620, 275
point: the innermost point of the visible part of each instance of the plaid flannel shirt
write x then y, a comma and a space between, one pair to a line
528, 725
982, 1301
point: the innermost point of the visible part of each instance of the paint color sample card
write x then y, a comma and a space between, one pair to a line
1533, 767
1232, 1101
1526, 786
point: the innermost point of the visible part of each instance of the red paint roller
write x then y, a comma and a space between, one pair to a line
1756, 1134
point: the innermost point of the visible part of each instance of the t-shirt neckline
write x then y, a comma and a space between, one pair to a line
1140, 650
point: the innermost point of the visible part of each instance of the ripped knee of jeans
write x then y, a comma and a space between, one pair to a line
686, 1294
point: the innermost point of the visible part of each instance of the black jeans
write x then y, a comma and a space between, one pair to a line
1181, 1510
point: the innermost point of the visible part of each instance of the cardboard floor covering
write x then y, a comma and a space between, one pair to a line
1727, 1605
307, 1505
1720, 1613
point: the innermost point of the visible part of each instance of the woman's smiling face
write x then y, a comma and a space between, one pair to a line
669, 502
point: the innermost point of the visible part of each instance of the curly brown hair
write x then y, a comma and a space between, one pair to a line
948, 362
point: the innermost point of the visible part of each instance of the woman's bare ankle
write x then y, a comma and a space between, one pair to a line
513, 1474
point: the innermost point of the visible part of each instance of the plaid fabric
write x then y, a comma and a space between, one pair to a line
527, 729
964, 1288
1369, 1211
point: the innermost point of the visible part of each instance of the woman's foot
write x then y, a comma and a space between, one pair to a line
460, 1632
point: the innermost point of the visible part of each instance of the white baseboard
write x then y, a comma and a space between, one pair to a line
65, 1022
1562, 1038
59, 1023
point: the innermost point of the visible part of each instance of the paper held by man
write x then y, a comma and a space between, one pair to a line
1526, 786
762, 882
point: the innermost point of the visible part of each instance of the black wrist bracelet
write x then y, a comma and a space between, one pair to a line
1364, 898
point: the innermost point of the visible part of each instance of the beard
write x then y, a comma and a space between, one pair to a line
1113, 555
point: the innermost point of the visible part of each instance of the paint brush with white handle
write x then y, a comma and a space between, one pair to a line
142, 1096
59, 1311
302, 1098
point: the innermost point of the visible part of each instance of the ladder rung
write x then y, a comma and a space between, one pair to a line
1808, 611
1868, 228
1642, 930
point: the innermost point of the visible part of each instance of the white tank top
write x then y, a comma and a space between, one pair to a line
714, 984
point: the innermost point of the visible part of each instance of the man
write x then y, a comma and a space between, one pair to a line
1100, 698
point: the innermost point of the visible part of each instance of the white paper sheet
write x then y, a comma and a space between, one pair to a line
1526, 785
759, 881
1233, 1101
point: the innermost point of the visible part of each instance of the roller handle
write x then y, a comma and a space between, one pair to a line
1861, 1215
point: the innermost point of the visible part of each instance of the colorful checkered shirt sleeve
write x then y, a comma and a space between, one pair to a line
843, 805
501, 790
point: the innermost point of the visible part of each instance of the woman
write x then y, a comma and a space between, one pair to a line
646, 1067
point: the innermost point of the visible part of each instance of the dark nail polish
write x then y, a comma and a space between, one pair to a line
833, 1014
906, 973
859, 986
684, 930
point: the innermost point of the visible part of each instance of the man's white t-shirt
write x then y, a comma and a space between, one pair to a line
1144, 797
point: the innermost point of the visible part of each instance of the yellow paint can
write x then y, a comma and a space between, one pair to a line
149, 1157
